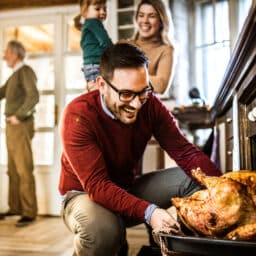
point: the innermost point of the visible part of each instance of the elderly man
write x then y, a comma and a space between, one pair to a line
21, 96
104, 134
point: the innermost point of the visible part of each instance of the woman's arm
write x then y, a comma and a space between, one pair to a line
163, 73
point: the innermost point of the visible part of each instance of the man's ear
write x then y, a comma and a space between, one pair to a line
101, 84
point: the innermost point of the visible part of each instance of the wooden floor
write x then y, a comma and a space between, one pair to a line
48, 236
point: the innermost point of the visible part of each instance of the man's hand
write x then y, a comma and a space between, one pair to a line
162, 220
12, 120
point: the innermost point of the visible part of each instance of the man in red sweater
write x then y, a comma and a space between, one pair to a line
104, 134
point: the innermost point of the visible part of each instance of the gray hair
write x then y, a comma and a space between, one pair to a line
16, 46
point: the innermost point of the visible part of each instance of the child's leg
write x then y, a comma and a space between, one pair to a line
91, 71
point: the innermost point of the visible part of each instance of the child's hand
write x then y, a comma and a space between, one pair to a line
91, 86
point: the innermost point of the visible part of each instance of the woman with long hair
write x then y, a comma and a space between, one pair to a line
154, 35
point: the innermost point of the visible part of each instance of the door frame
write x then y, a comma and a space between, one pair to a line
46, 175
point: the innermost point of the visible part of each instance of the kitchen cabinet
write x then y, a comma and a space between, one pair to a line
120, 21
236, 100
229, 140
125, 14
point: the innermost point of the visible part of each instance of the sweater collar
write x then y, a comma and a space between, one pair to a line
156, 41
105, 108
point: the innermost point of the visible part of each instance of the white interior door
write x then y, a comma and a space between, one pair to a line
53, 51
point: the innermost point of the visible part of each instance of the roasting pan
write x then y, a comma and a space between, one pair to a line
208, 246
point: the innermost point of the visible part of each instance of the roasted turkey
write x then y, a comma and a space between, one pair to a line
226, 208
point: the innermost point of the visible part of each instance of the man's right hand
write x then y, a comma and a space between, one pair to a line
163, 220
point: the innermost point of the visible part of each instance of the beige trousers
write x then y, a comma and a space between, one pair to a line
97, 231
100, 232
22, 195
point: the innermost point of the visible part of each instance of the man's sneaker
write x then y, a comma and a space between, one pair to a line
24, 221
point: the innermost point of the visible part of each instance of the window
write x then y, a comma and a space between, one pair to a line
213, 43
38, 40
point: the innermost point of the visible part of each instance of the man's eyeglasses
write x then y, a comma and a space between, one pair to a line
127, 95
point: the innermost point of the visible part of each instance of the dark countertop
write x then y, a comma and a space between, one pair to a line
193, 117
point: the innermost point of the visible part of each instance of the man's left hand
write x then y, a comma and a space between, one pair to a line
12, 120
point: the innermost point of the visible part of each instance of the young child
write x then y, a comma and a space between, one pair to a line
94, 37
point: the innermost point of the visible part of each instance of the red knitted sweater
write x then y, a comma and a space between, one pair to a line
100, 154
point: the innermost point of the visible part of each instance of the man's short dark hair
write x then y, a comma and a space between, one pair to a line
121, 55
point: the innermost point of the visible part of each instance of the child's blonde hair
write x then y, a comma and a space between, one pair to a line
84, 4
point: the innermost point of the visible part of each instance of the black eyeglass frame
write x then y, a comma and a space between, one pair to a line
149, 89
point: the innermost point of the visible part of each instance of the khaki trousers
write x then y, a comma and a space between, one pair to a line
22, 195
